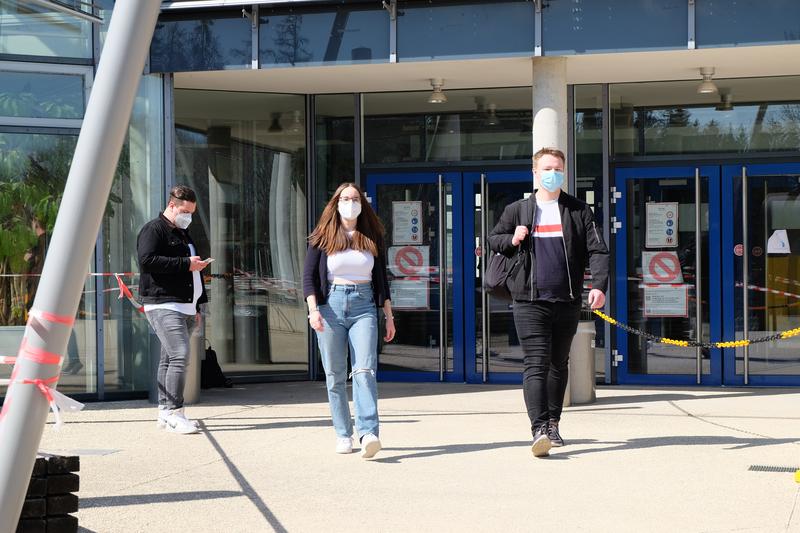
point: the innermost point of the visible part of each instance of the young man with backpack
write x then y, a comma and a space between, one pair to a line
546, 290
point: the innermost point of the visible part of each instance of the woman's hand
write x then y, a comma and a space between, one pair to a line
390, 329
315, 320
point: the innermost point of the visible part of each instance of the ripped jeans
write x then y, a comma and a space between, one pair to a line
350, 317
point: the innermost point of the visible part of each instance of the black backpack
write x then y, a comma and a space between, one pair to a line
211, 374
500, 268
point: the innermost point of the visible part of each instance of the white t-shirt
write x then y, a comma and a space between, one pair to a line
352, 265
186, 309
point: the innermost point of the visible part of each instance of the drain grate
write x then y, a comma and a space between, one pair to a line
768, 468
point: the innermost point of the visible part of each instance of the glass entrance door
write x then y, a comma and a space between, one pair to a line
422, 217
667, 251
761, 263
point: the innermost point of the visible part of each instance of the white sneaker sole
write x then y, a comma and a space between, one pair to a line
371, 449
344, 451
541, 447
182, 431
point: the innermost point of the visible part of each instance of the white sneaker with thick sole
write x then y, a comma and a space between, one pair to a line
163, 413
178, 423
370, 445
344, 445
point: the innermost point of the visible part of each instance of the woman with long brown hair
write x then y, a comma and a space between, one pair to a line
344, 282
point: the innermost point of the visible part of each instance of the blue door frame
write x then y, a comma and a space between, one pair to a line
623, 176
731, 176
471, 179
456, 374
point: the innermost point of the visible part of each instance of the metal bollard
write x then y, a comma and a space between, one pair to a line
581, 384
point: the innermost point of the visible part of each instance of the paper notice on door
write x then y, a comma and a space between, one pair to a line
778, 242
666, 300
661, 225
407, 222
409, 294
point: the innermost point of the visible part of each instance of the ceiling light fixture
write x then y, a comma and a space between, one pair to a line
707, 86
491, 116
725, 101
275, 125
297, 124
437, 96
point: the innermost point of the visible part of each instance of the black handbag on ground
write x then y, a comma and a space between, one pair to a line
211, 374
500, 269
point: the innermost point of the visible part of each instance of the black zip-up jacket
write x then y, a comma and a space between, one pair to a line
583, 242
163, 250
315, 277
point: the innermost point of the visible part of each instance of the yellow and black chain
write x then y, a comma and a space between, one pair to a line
726, 344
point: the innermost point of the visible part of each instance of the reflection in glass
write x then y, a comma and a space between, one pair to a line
430, 30
41, 95
671, 319
474, 125
415, 293
346, 35
251, 218
773, 298
33, 171
586, 26
335, 149
505, 352
189, 43
746, 22
137, 196
28, 29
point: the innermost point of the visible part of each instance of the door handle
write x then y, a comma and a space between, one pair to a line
484, 295
442, 278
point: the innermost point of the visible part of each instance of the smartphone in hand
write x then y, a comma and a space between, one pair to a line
209, 260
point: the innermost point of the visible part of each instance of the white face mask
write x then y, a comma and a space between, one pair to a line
182, 220
349, 210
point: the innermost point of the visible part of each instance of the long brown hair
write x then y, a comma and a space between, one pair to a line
330, 235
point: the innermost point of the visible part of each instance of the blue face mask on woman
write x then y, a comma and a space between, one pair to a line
551, 180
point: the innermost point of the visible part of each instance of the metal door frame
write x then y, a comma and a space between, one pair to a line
729, 174
620, 249
470, 304
456, 271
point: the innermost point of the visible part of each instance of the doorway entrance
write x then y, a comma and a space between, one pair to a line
436, 228
708, 253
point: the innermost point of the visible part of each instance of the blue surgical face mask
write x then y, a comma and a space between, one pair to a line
551, 180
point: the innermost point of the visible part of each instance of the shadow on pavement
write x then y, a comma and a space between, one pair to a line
448, 449
167, 497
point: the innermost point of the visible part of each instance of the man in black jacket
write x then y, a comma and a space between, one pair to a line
547, 292
171, 289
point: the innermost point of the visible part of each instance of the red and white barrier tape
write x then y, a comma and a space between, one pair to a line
126, 292
769, 291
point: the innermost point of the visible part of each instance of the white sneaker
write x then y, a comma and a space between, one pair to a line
344, 445
163, 413
370, 445
178, 423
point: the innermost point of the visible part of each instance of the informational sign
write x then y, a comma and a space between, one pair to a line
666, 300
662, 225
406, 222
778, 242
409, 293
409, 260
661, 267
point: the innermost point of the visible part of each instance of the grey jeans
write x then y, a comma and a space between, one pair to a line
173, 330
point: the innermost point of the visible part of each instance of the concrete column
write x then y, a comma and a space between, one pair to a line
550, 118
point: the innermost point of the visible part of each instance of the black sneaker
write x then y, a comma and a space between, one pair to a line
541, 442
553, 434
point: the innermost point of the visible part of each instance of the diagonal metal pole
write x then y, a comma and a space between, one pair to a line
85, 196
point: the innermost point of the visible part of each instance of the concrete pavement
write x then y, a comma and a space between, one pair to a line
456, 458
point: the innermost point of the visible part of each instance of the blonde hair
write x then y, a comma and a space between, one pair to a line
555, 152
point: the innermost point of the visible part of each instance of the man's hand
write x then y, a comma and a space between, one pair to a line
596, 299
195, 263
519, 235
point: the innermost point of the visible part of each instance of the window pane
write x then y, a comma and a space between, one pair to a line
37, 31
218, 42
429, 31
335, 150
473, 125
33, 172
136, 197
737, 22
341, 36
41, 95
244, 155
581, 26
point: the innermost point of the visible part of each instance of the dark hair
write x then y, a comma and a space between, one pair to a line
182, 192
330, 235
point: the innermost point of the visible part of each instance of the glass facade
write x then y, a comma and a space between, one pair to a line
244, 155
334, 125
302, 37
433, 30
213, 42
473, 125
41, 94
746, 22
32, 30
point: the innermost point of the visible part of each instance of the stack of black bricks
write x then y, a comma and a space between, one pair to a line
52, 496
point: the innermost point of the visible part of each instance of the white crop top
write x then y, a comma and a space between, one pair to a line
352, 265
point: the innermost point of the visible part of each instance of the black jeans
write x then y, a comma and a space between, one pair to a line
545, 331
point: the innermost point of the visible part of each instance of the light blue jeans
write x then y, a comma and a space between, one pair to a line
350, 317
